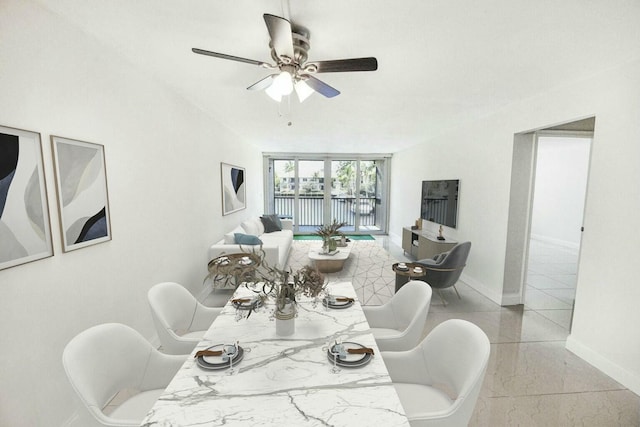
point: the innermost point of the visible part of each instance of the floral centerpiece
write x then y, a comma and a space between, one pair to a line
285, 287
328, 232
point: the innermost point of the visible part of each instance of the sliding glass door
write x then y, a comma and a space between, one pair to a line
315, 191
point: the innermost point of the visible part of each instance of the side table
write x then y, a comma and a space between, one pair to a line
403, 276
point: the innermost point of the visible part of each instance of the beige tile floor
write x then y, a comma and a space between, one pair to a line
532, 380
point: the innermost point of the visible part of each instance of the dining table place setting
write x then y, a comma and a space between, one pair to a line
327, 372
336, 301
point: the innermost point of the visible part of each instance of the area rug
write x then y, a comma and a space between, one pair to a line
368, 268
349, 236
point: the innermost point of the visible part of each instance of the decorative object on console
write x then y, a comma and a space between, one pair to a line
233, 188
421, 244
83, 201
25, 230
440, 236
328, 232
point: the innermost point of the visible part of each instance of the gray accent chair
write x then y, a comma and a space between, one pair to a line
444, 270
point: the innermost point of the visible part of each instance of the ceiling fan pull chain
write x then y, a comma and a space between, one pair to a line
284, 109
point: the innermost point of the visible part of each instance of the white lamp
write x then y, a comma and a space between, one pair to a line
282, 85
273, 92
303, 90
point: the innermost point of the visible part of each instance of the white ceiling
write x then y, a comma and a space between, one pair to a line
441, 62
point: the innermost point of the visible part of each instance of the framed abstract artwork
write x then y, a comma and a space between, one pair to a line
233, 188
25, 229
81, 184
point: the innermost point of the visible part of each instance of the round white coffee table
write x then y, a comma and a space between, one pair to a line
329, 263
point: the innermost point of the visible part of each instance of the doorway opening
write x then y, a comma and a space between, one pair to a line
561, 171
548, 188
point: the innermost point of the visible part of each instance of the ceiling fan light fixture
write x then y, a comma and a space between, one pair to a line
284, 83
303, 90
274, 93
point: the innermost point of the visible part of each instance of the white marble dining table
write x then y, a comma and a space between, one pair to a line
283, 381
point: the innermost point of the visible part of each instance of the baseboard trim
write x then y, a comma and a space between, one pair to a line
615, 371
396, 239
511, 299
482, 288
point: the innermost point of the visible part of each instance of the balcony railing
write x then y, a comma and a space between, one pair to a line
343, 209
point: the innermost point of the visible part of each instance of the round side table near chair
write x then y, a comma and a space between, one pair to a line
406, 271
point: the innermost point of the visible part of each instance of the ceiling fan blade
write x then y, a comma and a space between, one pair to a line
263, 83
344, 65
231, 57
321, 87
280, 33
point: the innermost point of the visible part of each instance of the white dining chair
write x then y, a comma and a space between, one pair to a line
439, 381
180, 319
112, 358
399, 324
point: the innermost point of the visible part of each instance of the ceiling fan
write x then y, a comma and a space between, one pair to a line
289, 46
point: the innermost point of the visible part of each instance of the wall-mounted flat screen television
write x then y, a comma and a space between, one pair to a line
439, 202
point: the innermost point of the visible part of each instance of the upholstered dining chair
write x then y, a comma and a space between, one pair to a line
439, 381
399, 324
444, 270
180, 319
110, 358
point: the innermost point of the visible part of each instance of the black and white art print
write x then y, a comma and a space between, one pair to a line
81, 183
25, 229
233, 188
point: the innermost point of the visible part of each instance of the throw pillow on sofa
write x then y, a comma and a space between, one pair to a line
253, 226
271, 223
230, 238
247, 239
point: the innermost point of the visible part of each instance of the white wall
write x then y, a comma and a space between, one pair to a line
163, 169
562, 168
479, 154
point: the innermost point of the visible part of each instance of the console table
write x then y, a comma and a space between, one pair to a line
428, 243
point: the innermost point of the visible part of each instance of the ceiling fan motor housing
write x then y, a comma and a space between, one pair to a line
300, 37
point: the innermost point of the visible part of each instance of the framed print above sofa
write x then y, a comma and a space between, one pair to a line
81, 184
25, 230
233, 188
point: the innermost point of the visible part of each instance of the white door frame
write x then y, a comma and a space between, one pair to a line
523, 167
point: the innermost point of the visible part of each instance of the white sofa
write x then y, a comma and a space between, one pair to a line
276, 245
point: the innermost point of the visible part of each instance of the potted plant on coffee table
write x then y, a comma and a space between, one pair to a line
328, 234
